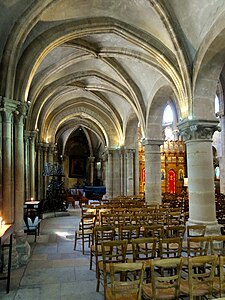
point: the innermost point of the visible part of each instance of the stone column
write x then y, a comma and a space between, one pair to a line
91, 160
109, 175
51, 151
198, 137
45, 178
9, 106
130, 171
122, 178
27, 164
104, 168
152, 171
32, 163
1, 135
39, 172
222, 158
19, 168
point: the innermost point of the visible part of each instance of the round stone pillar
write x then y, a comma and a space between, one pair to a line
152, 171
9, 106
222, 158
122, 172
130, 171
109, 176
91, 160
32, 163
198, 137
26, 164
19, 169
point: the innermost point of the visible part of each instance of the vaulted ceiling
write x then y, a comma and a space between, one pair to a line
97, 64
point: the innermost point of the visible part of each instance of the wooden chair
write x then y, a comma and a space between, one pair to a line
174, 231
85, 231
129, 232
112, 252
217, 245
173, 218
198, 246
196, 230
170, 247
201, 270
193, 231
126, 281
164, 284
101, 234
219, 279
154, 231
108, 219
144, 248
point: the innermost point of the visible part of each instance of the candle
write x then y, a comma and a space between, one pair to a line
0, 222
31, 198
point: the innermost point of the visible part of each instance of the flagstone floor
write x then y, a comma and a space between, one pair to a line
54, 270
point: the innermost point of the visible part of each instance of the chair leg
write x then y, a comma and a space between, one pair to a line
75, 241
83, 244
98, 280
91, 255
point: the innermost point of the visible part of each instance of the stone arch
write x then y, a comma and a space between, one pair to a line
131, 132
155, 116
208, 64
15, 43
111, 134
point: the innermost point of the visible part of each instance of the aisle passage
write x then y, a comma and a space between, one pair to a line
55, 270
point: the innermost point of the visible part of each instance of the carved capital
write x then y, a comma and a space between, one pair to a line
198, 129
147, 141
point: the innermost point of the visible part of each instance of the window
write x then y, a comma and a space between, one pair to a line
217, 104
168, 115
167, 123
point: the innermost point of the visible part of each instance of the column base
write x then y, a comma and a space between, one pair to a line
212, 228
23, 249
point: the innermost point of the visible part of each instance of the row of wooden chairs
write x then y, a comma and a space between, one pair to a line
160, 278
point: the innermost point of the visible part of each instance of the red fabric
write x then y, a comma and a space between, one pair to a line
171, 182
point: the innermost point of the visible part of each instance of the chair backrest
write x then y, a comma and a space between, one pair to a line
129, 232
88, 222
173, 218
114, 251
170, 247
129, 282
144, 248
175, 231
198, 246
165, 277
196, 230
201, 270
156, 231
103, 233
217, 244
108, 219
222, 274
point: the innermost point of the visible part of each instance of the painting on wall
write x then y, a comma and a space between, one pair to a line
77, 167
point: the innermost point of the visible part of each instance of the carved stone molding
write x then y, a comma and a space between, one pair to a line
147, 141
198, 129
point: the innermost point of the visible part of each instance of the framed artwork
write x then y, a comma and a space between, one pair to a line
181, 175
77, 167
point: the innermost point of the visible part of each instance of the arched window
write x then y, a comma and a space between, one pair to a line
168, 115
167, 123
217, 104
